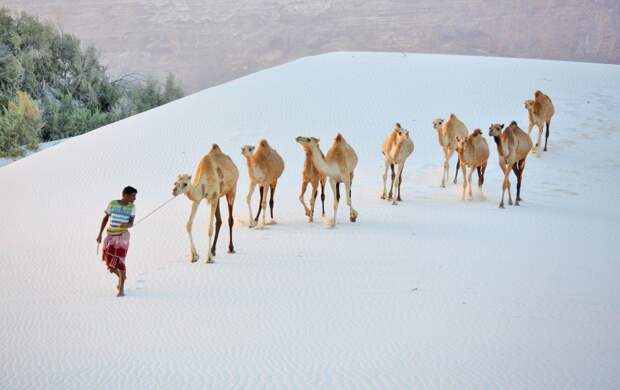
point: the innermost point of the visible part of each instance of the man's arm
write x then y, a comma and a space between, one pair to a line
104, 222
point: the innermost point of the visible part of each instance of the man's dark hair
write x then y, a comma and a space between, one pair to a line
129, 190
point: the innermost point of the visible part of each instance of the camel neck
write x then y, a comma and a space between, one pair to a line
319, 161
500, 146
190, 194
440, 137
248, 161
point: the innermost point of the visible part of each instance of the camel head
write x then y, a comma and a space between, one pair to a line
495, 130
402, 133
247, 150
182, 185
437, 123
529, 104
307, 142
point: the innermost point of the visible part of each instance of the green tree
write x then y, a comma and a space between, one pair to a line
20, 124
71, 87
172, 90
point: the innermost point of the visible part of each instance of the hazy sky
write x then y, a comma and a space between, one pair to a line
209, 42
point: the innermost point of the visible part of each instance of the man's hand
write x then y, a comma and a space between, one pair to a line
99, 239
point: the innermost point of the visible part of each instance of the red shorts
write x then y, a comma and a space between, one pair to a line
115, 251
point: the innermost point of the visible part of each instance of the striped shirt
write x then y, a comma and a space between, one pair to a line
119, 214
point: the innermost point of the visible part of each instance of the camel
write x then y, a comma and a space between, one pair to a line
539, 113
513, 146
473, 152
311, 175
397, 147
446, 135
338, 165
265, 166
216, 176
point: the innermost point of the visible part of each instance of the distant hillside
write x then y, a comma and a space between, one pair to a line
210, 43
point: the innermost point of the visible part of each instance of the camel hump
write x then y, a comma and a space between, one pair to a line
397, 125
451, 116
476, 132
263, 143
339, 138
215, 147
537, 93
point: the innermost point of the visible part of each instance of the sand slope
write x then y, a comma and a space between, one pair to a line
432, 293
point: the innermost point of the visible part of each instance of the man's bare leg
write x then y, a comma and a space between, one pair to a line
121, 284
115, 271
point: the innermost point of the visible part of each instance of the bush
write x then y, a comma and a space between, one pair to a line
20, 125
73, 92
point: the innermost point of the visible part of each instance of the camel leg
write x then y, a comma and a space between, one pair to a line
508, 169
230, 199
188, 227
315, 192
263, 204
505, 184
396, 185
271, 192
400, 181
481, 170
218, 225
392, 185
336, 190
261, 191
538, 139
387, 164
464, 168
501, 202
519, 172
304, 186
323, 197
352, 213
515, 169
522, 169
458, 163
546, 135
248, 200
471, 171
212, 211
446, 167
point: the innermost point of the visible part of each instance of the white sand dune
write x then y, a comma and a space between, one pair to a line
433, 293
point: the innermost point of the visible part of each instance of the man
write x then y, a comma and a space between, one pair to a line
121, 214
